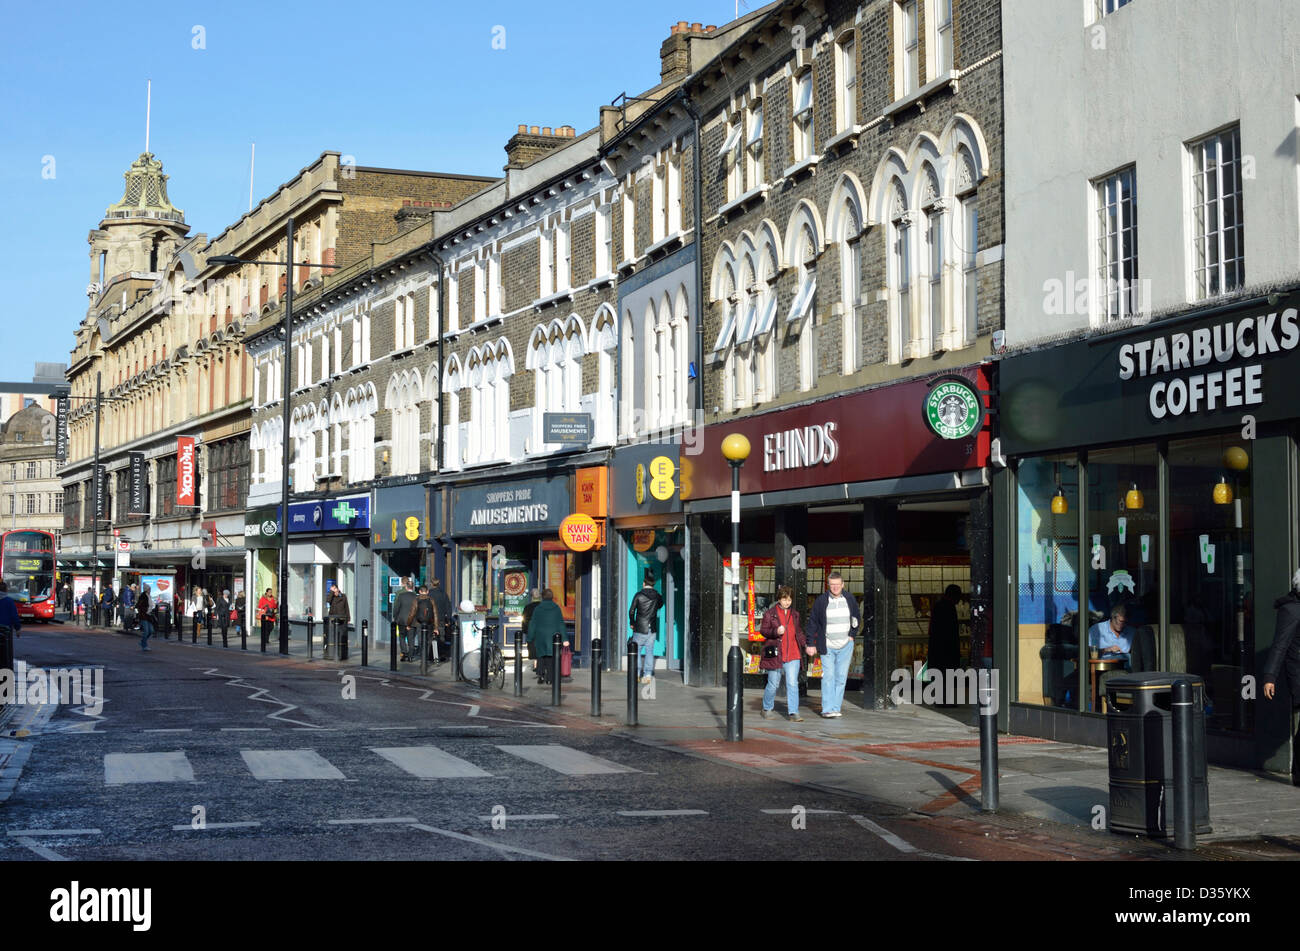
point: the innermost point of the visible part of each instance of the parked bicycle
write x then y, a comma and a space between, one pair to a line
489, 649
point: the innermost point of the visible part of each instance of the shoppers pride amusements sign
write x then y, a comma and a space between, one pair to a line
1170, 377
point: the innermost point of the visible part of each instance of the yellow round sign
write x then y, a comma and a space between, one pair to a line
662, 486
643, 539
640, 483
394, 529
412, 528
579, 532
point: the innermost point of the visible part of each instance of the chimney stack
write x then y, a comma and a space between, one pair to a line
531, 142
674, 53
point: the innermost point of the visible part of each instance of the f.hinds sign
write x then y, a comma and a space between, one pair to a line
796, 448
185, 470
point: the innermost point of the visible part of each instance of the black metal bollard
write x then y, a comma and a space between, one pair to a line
327, 651
243, 633
1184, 821
341, 637
209, 628
365, 642
632, 694
483, 659
311, 637
194, 629
735, 694
457, 671
519, 662
595, 676
557, 646
988, 714
392, 647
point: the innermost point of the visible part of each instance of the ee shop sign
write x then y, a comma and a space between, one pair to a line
1230, 352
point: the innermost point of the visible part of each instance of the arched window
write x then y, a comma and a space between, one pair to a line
627, 377
848, 235
900, 273
805, 246
967, 243
452, 383
934, 210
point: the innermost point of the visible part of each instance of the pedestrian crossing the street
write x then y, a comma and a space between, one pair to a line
421, 762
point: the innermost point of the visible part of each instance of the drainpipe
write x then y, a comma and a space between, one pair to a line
698, 186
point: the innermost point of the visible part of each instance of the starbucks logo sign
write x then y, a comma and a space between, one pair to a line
953, 408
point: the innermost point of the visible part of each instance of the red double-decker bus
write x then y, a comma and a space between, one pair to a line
27, 564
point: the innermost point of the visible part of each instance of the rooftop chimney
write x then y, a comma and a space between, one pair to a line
530, 143
674, 53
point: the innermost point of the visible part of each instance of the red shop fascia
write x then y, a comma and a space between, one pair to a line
866, 436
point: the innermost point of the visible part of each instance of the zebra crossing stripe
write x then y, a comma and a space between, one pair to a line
288, 764
568, 761
429, 762
170, 767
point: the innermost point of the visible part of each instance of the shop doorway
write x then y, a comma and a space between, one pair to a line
662, 556
933, 556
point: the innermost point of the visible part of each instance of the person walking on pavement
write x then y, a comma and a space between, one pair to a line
783, 648
336, 607
222, 607
831, 622
401, 631
535, 598
194, 610
128, 607
424, 617
241, 609
442, 604
1284, 657
87, 604
144, 611
106, 606
643, 616
267, 613
944, 651
546, 621
9, 612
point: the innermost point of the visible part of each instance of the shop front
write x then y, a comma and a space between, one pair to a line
507, 545
1153, 471
649, 539
403, 524
887, 487
262, 554
328, 541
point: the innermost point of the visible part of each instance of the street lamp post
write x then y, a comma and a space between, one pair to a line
735, 448
287, 332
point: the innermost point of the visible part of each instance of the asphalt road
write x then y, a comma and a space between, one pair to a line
209, 754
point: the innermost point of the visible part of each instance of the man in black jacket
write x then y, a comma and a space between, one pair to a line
339, 612
222, 609
442, 604
402, 605
643, 616
1285, 656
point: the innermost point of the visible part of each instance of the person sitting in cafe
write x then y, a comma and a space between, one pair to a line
1111, 638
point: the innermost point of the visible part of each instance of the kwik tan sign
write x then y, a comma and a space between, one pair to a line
185, 470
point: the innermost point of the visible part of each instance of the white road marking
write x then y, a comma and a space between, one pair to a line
178, 729
288, 764
42, 851
807, 812
430, 762
568, 761
29, 832
491, 845
260, 694
394, 727
216, 825
640, 813
902, 845
245, 729
169, 767
404, 820
510, 818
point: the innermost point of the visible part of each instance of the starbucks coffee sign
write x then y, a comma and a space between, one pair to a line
953, 408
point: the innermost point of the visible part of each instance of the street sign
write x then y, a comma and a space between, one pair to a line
569, 429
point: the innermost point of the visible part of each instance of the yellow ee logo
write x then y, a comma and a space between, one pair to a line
394, 529
661, 478
640, 484
412, 528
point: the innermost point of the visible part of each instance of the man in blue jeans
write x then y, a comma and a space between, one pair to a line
144, 611
643, 617
832, 622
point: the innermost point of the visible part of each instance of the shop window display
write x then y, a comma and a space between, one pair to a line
1211, 571
1048, 581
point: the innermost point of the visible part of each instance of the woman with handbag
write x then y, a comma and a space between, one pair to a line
783, 648
266, 613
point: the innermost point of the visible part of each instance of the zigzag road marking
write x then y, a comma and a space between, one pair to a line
260, 694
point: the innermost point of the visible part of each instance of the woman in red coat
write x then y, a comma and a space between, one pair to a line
783, 647
266, 613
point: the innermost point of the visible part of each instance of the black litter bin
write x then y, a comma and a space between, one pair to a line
1139, 730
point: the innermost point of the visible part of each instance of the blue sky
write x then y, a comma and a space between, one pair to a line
396, 84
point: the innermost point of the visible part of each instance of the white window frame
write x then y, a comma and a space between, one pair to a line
801, 112
1115, 250
604, 240
941, 60
909, 46
754, 169
846, 104
936, 229
969, 211
1217, 253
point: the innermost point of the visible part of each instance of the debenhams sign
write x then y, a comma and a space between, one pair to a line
1219, 386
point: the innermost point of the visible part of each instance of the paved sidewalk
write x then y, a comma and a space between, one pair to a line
922, 760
